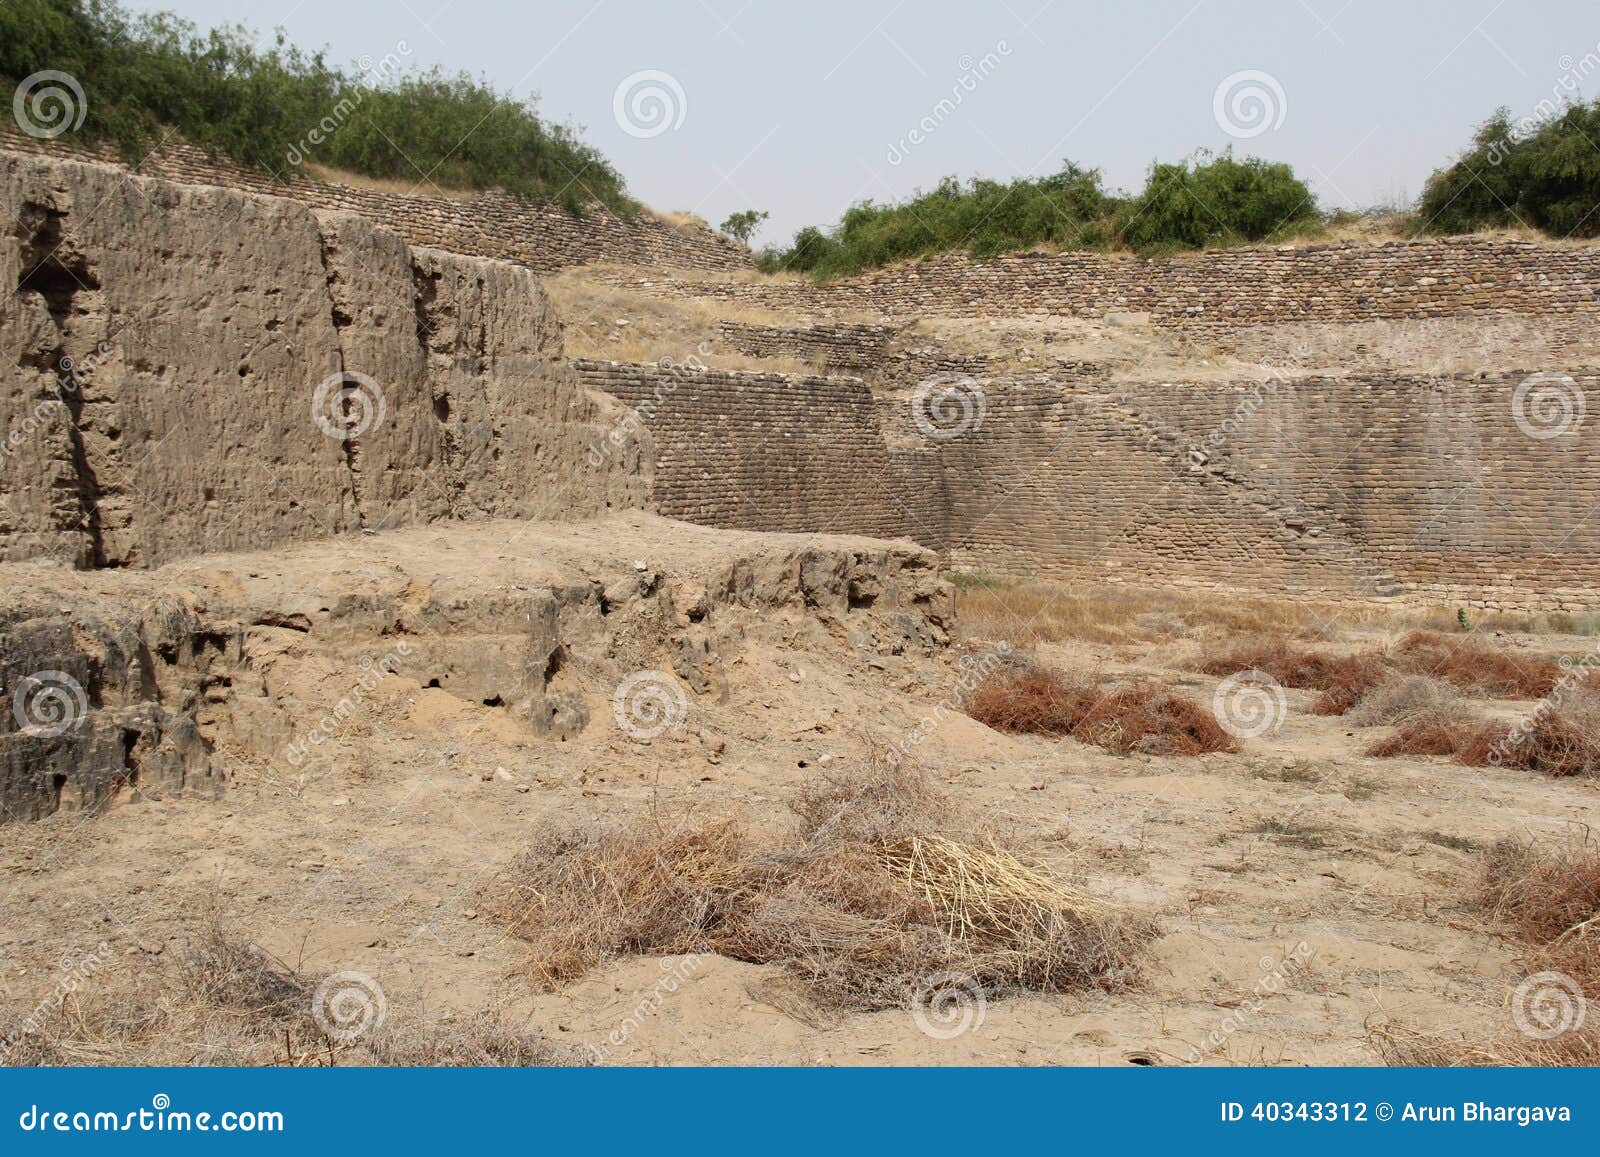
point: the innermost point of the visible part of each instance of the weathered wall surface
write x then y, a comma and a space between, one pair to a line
1322, 487
166, 345
543, 236
759, 451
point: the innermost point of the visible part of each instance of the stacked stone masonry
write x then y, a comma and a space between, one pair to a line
544, 236
1321, 488
1441, 278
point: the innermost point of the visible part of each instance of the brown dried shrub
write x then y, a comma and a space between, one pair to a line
1477, 668
1550, 897
1560, 742
1400, 698
1430, 734
868, 902
1138, 717
1145, 718
1401, 1044
1035, 701
1342, 679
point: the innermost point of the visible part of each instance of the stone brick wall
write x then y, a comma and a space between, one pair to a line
759, 451
1329, 488
544, 236
1447, 277
854, 349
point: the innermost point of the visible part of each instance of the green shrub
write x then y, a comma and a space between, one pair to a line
144, 75
1222, 201
1543, 174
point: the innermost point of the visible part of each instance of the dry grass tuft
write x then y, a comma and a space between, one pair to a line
1139, 717
1401, 1044
1342, 679
1561, 742
1476, 668
1550, 897
1429, 734
1402, 698
226, 1002
866, 904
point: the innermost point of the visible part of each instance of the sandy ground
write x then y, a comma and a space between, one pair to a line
1302, 889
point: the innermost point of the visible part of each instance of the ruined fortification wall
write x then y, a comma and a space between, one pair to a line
544, 236
759, 451
1330, 488
174, 358
1467, 277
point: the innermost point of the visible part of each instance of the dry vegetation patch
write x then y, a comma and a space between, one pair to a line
871, 898
1138, 717
1477, 668
1561, 741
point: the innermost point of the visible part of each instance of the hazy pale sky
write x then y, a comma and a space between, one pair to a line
802, 108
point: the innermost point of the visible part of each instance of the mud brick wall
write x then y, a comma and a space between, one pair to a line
855, 349
759, 451
543, 236
1326, 488
1465, 277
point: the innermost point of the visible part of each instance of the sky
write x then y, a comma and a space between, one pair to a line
801, 109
